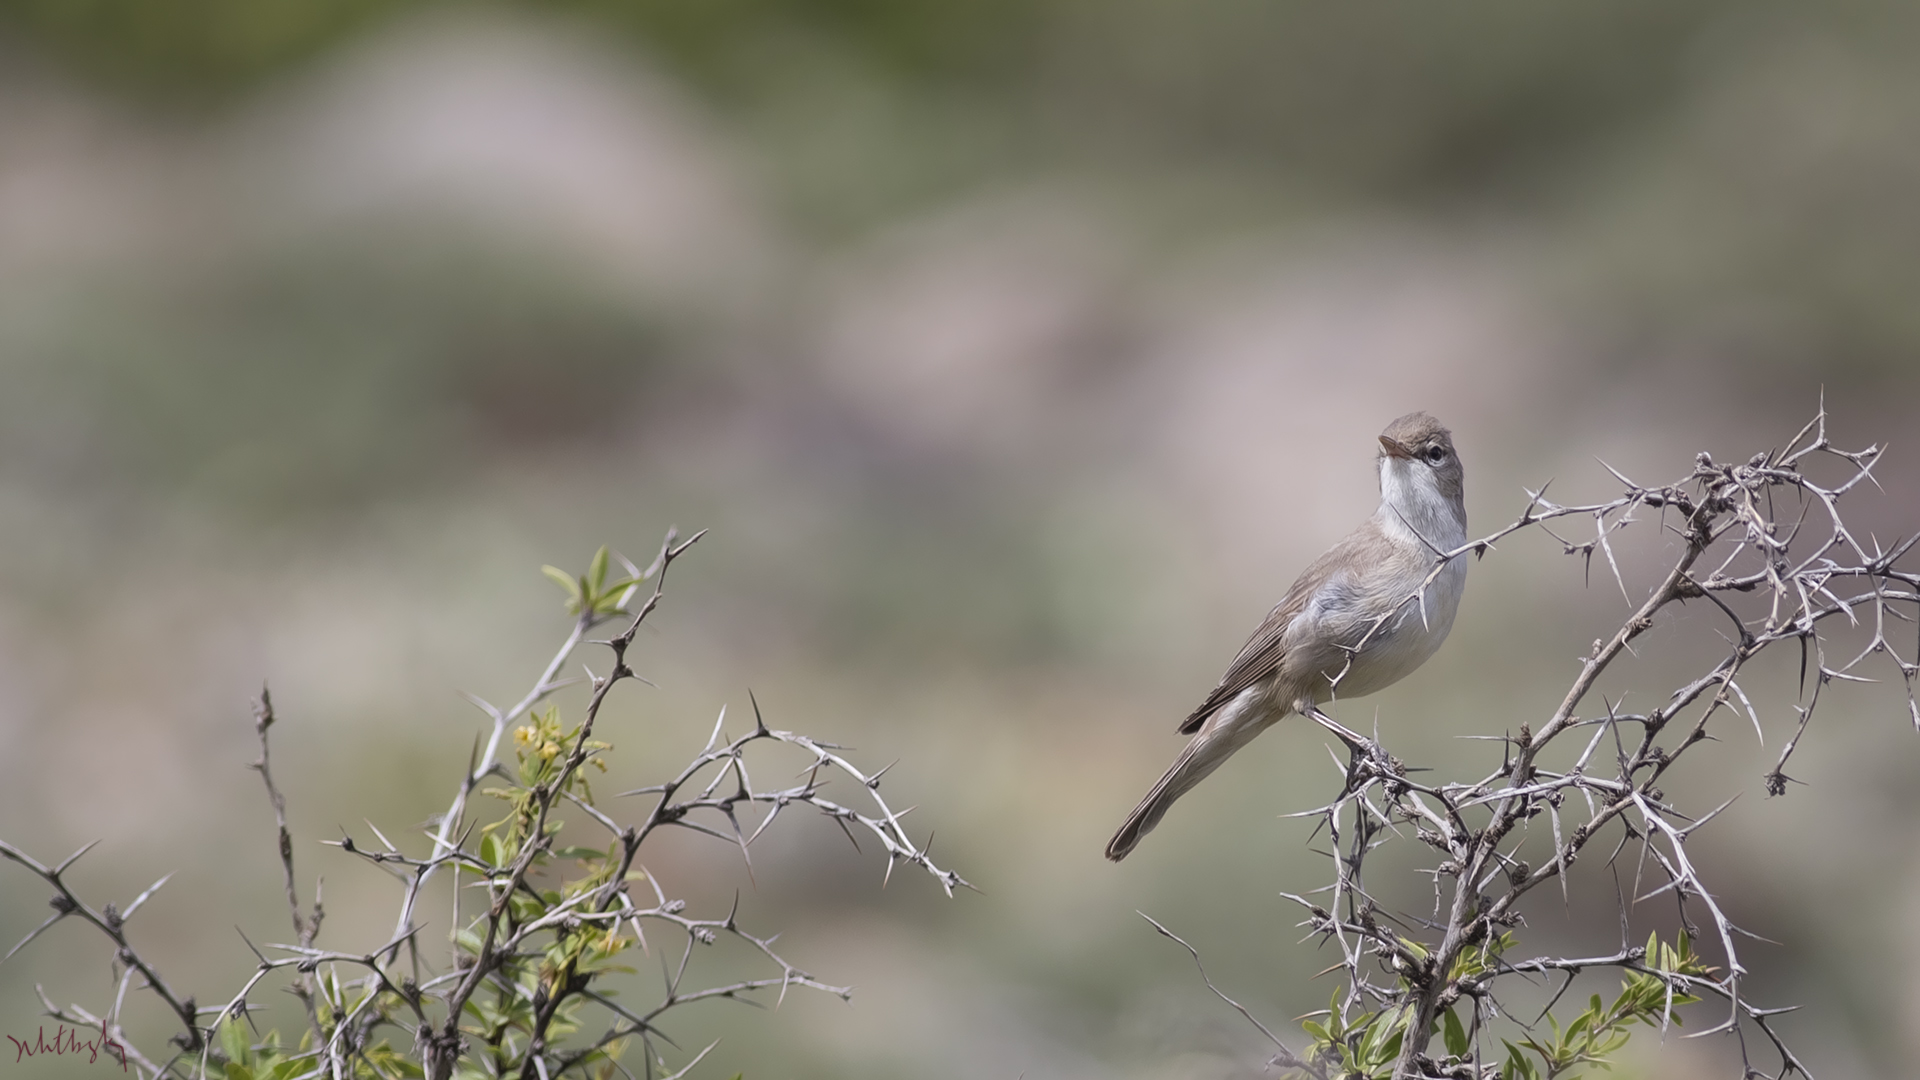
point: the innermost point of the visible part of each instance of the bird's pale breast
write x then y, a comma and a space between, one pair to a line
1392, 614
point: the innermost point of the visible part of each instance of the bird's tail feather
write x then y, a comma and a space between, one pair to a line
1203, 755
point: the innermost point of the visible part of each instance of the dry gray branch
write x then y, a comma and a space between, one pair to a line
522, 968
1750, 522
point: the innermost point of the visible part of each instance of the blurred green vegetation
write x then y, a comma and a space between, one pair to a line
1757, 143
1365, 99
204, 49
306, 382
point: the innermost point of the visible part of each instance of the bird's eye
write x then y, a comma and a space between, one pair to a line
1436, 454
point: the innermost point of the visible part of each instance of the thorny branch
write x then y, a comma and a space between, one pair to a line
304, 929
523, 967
1778, 578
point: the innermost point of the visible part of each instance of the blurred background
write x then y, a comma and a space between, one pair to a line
1018, 354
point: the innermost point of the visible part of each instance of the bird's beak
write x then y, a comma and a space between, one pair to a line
1394, 448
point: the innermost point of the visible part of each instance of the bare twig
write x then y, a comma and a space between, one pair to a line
1772, 587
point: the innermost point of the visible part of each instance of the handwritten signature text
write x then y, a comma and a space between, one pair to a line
67, 1040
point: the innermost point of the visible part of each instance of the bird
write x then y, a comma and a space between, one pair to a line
1361, 617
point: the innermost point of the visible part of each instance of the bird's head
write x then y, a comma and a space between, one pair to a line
1417, 460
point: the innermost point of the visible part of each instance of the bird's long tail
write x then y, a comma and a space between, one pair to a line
1212, 746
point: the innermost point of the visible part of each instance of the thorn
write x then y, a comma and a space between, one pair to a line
71, 859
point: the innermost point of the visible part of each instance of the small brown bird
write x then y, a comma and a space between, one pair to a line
1370, 593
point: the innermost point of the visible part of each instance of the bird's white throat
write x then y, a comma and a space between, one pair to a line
1413, 509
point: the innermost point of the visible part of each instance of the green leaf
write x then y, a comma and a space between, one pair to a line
1381, 1043
1586, 1019
1389, 1052
237, 1071
234, 1041
490, 852
1453, 1033
1518, 1066
597, 571
564, 580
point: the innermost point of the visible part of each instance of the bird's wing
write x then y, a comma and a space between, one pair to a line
1260, 657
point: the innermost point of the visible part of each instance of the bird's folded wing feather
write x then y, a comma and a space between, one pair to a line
1260, 657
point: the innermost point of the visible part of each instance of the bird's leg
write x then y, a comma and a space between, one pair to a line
1367, 758
1355, 741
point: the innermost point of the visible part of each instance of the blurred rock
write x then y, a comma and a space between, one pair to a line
530, 130
980, 328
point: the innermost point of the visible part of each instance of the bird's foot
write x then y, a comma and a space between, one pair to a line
1367, 758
